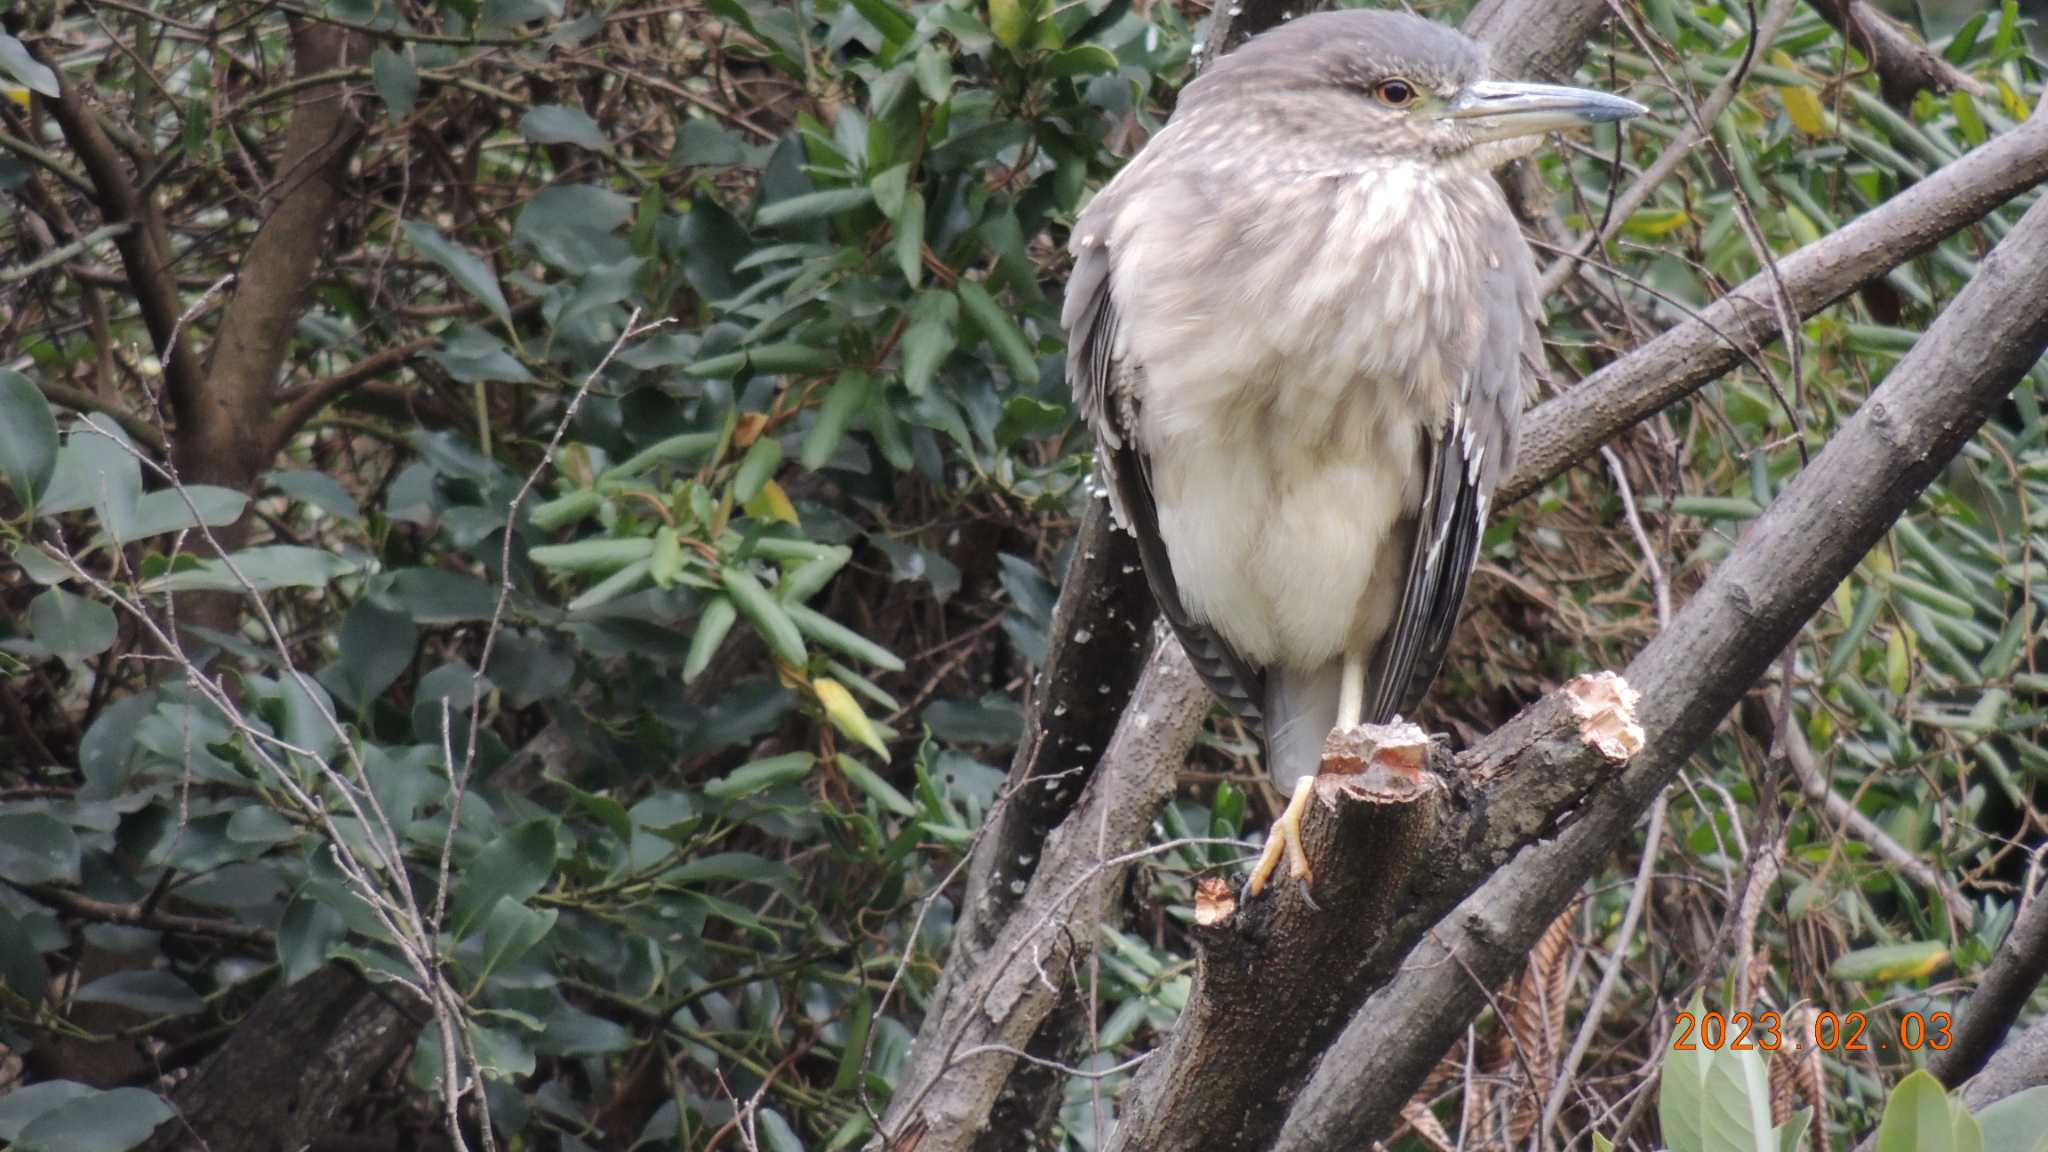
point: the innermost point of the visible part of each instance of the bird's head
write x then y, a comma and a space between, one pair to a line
1390, 84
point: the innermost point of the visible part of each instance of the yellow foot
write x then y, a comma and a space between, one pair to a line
1285, 837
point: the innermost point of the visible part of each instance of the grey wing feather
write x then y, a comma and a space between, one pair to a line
1106, 392
1464, 461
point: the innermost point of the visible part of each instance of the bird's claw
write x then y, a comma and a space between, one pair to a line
1285, 839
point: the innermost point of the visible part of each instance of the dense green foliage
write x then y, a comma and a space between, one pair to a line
761, 301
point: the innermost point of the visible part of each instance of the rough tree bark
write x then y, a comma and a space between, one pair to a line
1694, 672
990, 1011
331, 1031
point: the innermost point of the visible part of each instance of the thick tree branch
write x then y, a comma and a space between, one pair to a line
224, 431
1278, 978
1560, 432
2001, 994
966, 1051
144, 244
1694, 672
1905, 65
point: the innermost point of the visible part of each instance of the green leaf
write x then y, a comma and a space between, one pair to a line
892, 22
309, 930
909, 242
1003, 334
832, 634
397, 83
28, 437
1911, 961
21, 966
105, 1122
170, 510
474, 356
812, 206
96, 468
848, 395
762, 459
376, 647
1080, 60
877, 789
929, 339
889, 187
767, 616
590, 557
2018, 1123
574, 226
1011, 21
713, 625
71, 625
1735, 1111
266, 568
1682, 1092
515, 865
1917, 1117
24, 1103
37, 848
510, 931
761, 775
317, 489
468, 270
934, 74
33, 74
558, 124
1027, 418
150, 991
436, 595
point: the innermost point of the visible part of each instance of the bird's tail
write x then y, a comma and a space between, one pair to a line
1301, 708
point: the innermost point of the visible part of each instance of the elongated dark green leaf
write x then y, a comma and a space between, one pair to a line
28, 436
813, 206
37, 848
16, 62
1002, 331
757, 776
104, 1122
767, 616
466, 268
516, 865
396, 81
71, 625
145, 990
559, 124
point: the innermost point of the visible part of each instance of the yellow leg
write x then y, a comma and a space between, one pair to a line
1285, 837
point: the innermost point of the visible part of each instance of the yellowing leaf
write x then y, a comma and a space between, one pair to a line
15, 93
772, 503
1010, 20
1803, 105
845, 714
1657, 222
2015, 104
1898, 661
1890, 962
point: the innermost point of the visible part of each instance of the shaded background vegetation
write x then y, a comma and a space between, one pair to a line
742, 316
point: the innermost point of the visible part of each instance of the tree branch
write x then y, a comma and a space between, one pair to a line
223, 433
307, 402
1905, 65
965, 1052
2002, 992
1720, 645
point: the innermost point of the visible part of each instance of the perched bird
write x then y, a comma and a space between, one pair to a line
1296, 325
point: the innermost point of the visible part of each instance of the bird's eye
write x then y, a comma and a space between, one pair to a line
1395, 93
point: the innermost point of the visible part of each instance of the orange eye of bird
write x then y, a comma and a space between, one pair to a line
1395, 93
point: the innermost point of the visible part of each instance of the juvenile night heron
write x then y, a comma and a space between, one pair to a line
1296, 324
